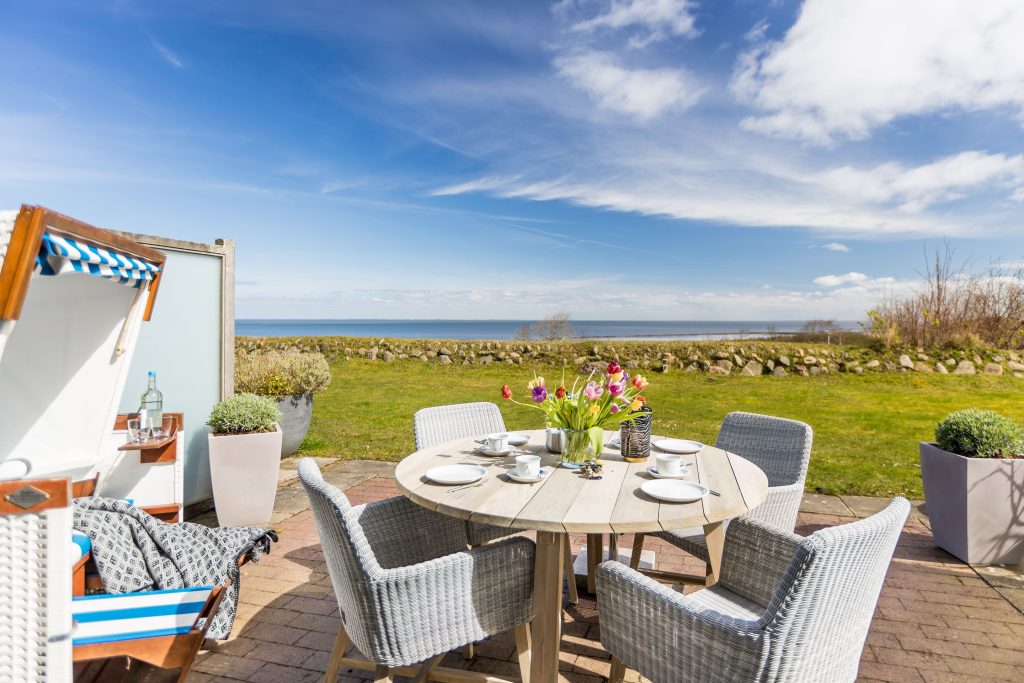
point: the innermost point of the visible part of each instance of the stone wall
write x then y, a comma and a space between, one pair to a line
751, 358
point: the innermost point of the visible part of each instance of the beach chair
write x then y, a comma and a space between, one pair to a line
35, 615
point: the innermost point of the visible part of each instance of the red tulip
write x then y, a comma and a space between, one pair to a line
614, 368
560, 392
506, 391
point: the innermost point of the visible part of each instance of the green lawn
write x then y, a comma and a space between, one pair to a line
866, 427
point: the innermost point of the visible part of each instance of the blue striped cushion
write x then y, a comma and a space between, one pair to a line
128, 616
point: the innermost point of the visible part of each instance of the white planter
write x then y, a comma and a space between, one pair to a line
244, 470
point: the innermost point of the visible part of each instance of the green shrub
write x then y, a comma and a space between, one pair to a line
980, 434
281, 374
244, 414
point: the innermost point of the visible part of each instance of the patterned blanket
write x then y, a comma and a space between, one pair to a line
137, 552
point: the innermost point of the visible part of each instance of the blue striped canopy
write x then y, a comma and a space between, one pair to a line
60, 255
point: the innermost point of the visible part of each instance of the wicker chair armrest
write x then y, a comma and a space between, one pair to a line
665, 636
402, 533
781, 506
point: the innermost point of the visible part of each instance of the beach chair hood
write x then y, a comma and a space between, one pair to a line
72, 298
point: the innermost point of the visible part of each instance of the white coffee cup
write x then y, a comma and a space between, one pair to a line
669, 464
528, 465
497, 442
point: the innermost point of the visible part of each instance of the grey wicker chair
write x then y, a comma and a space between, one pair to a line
408, 589
435, 425
786, 608
782, 449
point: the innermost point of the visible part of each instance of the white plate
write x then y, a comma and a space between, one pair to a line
507, 450
683, 446
456, 474
674, 490
653, 471
518, 439
544, 472
613, 443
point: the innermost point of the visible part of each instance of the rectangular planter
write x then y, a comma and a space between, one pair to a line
975, 505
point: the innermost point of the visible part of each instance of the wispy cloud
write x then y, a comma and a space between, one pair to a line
835, 246
167, 54
656, 19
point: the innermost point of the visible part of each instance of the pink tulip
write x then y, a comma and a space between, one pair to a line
593, 391
616, 388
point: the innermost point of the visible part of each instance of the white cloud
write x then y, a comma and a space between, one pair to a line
835, 246
642, 93
916, 188
849, 66
836, 280
660, 19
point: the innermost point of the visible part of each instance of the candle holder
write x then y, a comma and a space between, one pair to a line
635, 436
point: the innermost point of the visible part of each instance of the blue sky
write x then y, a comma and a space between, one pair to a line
632, 159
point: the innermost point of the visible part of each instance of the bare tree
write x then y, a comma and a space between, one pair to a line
557, 327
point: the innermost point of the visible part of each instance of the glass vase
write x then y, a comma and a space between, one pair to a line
581, 445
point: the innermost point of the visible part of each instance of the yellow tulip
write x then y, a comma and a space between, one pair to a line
636, 405
594, 409
535, 382
616, 377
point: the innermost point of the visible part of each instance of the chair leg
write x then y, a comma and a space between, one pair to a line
618, 672
570, 574
337, 654
638, 549
382, 674
468, 651
425, 668
523, 649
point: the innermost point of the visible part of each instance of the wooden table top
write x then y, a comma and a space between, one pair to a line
567, 502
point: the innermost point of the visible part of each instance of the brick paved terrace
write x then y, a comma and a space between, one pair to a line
937, 619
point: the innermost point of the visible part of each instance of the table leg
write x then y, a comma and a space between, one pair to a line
613, 547
547, 607
595, 546
715, 535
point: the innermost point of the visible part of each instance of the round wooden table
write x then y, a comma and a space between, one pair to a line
566, 502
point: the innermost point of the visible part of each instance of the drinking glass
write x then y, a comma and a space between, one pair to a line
136, 434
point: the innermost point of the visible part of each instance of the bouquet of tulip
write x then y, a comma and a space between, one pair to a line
583, 412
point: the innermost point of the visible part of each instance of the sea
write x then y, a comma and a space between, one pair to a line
501, 330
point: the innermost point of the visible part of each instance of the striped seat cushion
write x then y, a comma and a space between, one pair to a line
129, 616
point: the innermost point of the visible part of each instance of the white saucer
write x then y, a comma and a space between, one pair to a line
653, 471
544, 473
456, 474
517, 439
683, 446
674, 491
613, 443
507, 450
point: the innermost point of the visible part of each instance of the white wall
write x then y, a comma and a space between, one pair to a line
182, 344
